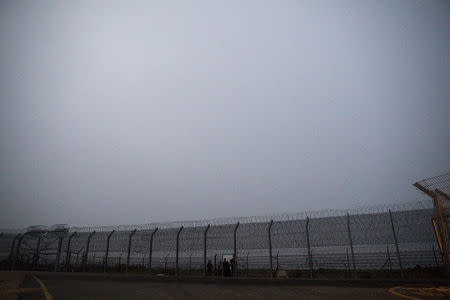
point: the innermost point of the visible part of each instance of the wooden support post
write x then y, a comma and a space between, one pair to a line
435, 258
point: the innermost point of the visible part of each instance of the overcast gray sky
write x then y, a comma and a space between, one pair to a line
133, 112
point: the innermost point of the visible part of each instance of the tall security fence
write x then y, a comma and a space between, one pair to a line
438, 188
395, 240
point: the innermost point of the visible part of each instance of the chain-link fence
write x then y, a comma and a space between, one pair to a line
392, 239
438, 188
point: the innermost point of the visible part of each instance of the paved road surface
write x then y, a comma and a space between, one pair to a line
87, 286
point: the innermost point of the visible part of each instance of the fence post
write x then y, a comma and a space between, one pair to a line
190, 262
17, 252
177, 250
215, 264
270, 247
396, 245
435, 258
165, 264
204, 249
36, 252
247, 264
11, 251
348, 260
351, 245
389, 258
443, 227
151, 249
310, 261
278, 263
58, 252
129, 250
105, 262
235, 251
87, 250
68, 251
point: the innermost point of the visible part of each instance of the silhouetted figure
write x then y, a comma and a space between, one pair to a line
226, 268
209, 267
219, 269
232, 265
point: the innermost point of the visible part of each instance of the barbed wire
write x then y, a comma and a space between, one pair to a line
329, 233
412, 205
263, 219
440, 182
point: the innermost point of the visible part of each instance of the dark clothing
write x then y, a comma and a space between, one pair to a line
226, 269
209, 267
233, 265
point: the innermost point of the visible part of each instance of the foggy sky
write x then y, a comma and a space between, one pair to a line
133, 112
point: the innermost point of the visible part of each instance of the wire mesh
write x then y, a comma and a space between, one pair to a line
440, 182
330, 232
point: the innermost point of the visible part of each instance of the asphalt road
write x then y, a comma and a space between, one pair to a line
88, 286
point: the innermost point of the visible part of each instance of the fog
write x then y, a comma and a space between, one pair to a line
133, 112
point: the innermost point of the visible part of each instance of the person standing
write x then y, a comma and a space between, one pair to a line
209, 267
226, 268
